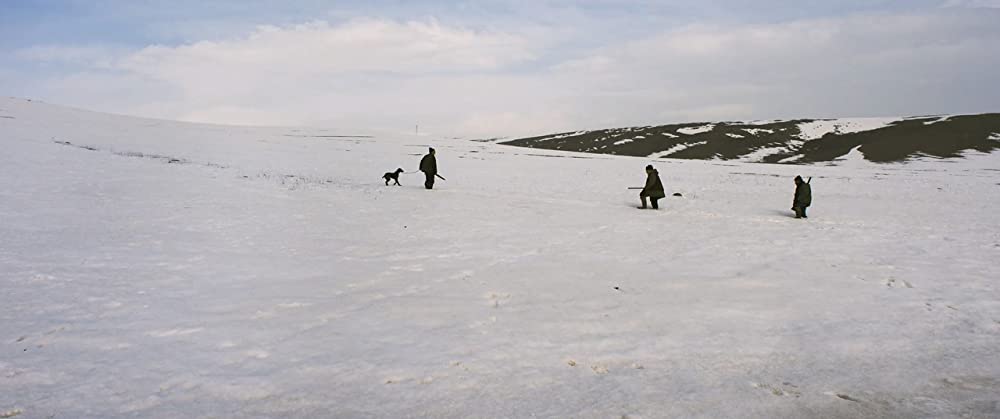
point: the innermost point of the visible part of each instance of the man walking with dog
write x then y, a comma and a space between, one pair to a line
429, 166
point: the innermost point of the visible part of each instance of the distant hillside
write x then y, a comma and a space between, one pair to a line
880, 140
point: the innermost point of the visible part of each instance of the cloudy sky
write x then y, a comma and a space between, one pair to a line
503, 67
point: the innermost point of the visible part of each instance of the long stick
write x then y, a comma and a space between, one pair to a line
636, 189
442, 177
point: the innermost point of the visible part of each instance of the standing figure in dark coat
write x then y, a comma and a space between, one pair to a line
653, 188
803, 197
429, 166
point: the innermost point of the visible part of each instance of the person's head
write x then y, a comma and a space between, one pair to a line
649, 168
431, 149
798, 180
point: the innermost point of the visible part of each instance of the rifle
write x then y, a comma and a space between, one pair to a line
412, 173
636, 189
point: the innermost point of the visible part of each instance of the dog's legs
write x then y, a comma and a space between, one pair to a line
397, 182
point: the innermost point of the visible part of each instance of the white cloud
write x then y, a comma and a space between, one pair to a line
305, 73
449, 79
867, 65
318, 48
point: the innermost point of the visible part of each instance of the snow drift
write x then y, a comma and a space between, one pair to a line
161, 269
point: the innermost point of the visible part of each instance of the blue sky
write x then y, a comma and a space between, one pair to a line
507, 67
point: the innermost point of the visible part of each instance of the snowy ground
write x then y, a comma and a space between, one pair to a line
159, 269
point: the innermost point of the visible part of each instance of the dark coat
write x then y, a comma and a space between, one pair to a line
654, 187
803, 195
429, 165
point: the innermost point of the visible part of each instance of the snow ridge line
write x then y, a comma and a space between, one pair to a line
136, 154
292, 182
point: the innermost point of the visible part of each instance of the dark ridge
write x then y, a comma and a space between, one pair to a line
898, 142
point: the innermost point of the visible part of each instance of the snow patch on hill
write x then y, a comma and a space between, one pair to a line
696, 130
817, 129
791, 159
758, 155
556, 137
941, 119
758, 131
853, 158
677, 148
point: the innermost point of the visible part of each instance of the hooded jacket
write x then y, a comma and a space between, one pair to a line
654, 187
429, 165
803, 195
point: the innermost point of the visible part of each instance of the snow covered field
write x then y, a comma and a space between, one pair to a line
161, 269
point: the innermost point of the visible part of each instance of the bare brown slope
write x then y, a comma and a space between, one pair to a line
897, 142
